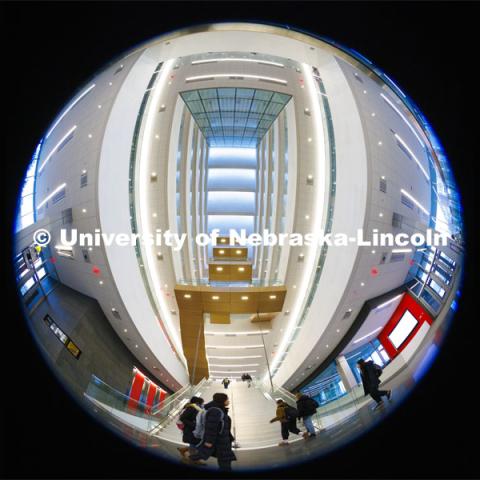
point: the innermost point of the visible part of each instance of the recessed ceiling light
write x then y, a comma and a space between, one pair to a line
125, 330
272, 297
238, 252
338, 330
362, 284
187, 295
215, 297
380, 214
90, 248
99, 106
326, 346
221, 252
219, 269
241, 269
244, 298
383, 177
100, 282
154, 215
146, 358
166, 286
373, 114
110, 83
84, 210
136, 346
380, 143
90, 135
157, 136
309, 139
364, 91
294, 286
373, 251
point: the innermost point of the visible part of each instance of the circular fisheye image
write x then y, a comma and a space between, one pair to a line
239, 246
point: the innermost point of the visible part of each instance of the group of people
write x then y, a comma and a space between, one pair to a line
288, 415
207, 427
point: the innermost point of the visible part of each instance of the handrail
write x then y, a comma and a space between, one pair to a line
159, 405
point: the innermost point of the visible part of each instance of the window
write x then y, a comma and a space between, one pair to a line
25, 214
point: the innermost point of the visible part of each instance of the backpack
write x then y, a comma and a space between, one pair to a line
201, 419
312, 403
378, 370
180, 425
291, 412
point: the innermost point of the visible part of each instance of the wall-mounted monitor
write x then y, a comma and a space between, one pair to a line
403, 329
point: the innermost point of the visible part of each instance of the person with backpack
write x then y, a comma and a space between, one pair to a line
226, 383
307, 407
214, 430
187, 423
287, 416
370, 373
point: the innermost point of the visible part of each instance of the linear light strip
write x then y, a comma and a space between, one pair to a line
223, 371
40, 205
145, 206
319, 155
401, 250
234, 366
54, 149
403, 118
243, 75
414, 200
69, 108
389, 301
263, 62
234, 346
264, 332
413, 156
368, 335
233, 358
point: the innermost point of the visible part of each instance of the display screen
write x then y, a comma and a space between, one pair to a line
403, 329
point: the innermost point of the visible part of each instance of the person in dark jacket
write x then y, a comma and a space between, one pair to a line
307, 407
287, 423
226, 383
217, 439
370, 373
187, 417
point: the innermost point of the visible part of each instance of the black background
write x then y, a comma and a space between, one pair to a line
50, 49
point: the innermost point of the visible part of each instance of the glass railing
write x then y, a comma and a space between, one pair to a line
148, 418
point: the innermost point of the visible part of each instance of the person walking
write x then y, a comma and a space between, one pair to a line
307, 407
248, 378
217, 437
187, 420
287, 416
226, 383
370, 373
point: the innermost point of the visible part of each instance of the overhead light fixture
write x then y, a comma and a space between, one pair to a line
221, 252
215, 297
187, 295
56, 147
235, 75
272, 297
245, 298
241, 269
87, 90
219, 269
401, 250
238, 252
368, 335
414, 200
417, 161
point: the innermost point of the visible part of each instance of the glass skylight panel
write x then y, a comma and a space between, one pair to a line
223, 113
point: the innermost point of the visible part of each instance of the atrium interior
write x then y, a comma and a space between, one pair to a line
254, 129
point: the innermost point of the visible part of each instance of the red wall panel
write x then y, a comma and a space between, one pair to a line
136, 389
407, 303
